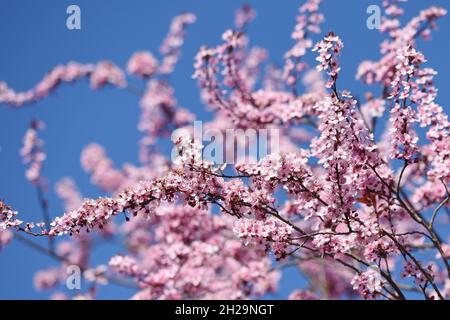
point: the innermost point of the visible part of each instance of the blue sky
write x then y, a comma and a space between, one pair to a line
34, 39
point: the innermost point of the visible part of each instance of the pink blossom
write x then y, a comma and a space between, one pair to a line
302, 295
244, 16
95, 161
160, 114
7, 217
447, 288
32, 152
125, 265
308, 21
58, 296
97, 275
192, 247
269, 232
62, 73
170, 47
404, 139
329, 48
420, 275
46, 279
68, 192
5, 238
142, 64
368, 283
106, 72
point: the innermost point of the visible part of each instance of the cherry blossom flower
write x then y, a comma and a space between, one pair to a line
160, 115
142, 64
125, 265
32, 152
270, 232
404, 140
329, 48
368, 283
46, 279
308, 21
244, 16
420, 274
7, 217
302, 295
106, 72
95, 161
68, 192
70, 72
170, 47
5, 238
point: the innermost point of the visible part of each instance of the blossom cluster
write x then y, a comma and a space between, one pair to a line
100, 74
329, 48
171, 45
32, 152
142, 64
194, 256
308, 21
7, 217
368, 283
270, 232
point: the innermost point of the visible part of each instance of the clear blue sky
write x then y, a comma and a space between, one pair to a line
34, 38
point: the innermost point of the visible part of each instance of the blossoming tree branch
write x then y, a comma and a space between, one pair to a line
357, 214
